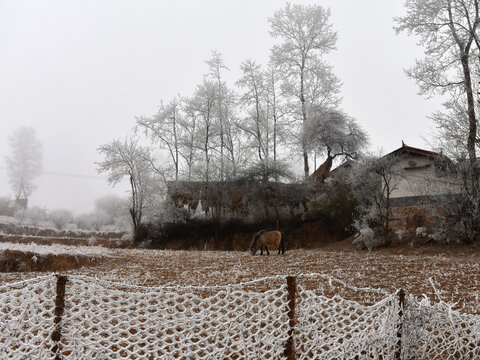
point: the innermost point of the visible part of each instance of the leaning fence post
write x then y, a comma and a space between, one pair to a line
292, 289
59, 309
401, 313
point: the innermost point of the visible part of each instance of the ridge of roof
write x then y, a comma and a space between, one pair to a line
413, 150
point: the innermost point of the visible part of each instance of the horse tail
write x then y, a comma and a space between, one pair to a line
282, 242
255, 238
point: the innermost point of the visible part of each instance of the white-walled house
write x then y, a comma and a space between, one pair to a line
419, 174
421, 178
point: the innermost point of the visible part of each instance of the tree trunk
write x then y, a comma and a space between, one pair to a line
472, 129
304, 117
323, 170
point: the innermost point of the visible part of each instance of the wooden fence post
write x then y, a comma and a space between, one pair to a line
292, 289
401, 314
59, 309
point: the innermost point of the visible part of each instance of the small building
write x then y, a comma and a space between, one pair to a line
420, 180
419, 176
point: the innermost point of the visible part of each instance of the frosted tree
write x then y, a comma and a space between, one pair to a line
127, 159
448, 30
253, 99
372, 182
202, 106
24, 163
333, 133
276, 111
188, 141
233, 142
224, 117
263, 113
164, 129
306, 36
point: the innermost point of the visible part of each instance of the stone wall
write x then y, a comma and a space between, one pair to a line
414, 221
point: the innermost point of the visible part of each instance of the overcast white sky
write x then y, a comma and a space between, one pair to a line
80, 71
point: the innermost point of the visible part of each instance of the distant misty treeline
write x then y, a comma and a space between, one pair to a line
110, 213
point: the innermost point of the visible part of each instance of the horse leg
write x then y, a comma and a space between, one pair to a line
267, 250
261, 250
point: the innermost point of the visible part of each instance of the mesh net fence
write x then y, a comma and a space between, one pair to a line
436, 332
331, 327
329, 320
111, 321
27, 319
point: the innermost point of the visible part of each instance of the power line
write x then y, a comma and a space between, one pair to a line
68, 175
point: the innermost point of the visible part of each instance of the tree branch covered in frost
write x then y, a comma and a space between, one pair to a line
306, 35
372, 181
127, 159
459, 210
448, 30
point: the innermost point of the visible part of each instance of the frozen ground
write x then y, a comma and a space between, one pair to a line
453, 271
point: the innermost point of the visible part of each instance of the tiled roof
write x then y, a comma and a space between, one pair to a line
409, 149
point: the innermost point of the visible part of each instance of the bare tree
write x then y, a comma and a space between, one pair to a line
307, 35
25, 162
128, 159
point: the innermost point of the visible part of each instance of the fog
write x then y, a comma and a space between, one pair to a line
79, 72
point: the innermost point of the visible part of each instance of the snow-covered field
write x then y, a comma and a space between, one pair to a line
455, 274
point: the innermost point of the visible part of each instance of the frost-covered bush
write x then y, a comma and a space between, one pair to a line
365, 238
20, 215
400, 233
421, 231
372, 181
60, 218
127, 236
111, 207
91, 221
6, 207
98, 220
83, 221
92, 240
458, 209
35, 215
370, 234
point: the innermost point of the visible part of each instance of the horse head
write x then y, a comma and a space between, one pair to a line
253, 245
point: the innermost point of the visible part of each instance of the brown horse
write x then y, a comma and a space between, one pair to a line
264, 238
